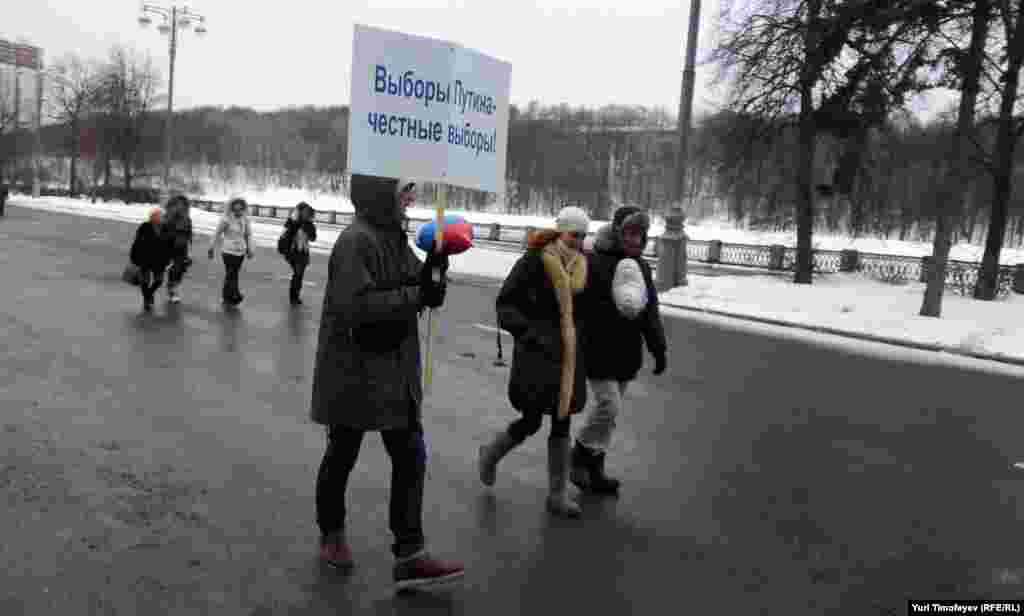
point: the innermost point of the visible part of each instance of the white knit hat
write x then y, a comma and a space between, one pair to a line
572, 220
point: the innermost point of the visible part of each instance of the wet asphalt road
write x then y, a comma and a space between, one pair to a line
164, 463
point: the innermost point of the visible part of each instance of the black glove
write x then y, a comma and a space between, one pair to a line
432, 291
660, 363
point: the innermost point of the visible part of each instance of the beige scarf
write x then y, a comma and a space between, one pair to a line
567, 270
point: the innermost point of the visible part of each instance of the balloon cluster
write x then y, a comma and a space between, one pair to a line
457, 237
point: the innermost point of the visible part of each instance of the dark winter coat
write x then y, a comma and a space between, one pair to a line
178, 229
528, 309
150, 250
291, 228
367, 373
613, 345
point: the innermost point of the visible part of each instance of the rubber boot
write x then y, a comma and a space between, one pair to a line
588, 471
558, 501
492, 453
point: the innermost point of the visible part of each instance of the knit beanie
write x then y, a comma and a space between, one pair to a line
572, 220
631, 216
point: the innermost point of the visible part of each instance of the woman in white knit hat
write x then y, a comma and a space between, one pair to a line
234, 238
537, 305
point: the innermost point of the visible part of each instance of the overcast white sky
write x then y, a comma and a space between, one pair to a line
583, 52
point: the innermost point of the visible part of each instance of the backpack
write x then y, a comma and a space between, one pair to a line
284, 242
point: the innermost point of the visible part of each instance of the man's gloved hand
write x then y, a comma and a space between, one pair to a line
660, 363
432, 292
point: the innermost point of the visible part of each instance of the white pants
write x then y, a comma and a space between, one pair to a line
599, 425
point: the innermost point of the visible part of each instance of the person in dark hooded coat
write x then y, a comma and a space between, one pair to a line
178, 230
621, 314
299, 233
367, 373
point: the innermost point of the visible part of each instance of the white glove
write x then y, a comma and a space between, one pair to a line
629, 290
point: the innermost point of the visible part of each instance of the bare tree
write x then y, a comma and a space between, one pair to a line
1008, 132
8, 112
966, 67
74, 92
126, 96
837, 67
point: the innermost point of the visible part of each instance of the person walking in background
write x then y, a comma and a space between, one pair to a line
150, 252
3, 197
367, 374
620, 312
299, 233
234, 238
537, 304
178, 231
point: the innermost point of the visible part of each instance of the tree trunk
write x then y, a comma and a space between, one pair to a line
73, 173
126, 169
805, 171
1006, 143
75, 152
951, 198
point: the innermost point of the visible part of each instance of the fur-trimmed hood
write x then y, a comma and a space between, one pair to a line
542, 237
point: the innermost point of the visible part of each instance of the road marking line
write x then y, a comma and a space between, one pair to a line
488, 328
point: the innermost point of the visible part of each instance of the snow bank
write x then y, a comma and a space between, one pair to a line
853, 303
477, 262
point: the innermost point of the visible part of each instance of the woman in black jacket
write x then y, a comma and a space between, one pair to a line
299, 233
151, 253
538, 305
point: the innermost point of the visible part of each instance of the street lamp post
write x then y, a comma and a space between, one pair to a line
174, 18
686, 103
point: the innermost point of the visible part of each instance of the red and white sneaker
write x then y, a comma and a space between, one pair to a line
336, 553
423, 571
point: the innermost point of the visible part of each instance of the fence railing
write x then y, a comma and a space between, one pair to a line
960, 275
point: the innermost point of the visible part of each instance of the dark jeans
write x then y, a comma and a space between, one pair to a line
407, 451
232, 265
149, 282
177, 271
299, 261
528, 425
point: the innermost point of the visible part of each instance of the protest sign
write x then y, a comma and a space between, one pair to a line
427, 109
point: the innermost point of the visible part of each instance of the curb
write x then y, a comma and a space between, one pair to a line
921, 346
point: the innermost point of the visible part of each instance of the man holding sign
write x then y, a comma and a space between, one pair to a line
367, 374
428, 110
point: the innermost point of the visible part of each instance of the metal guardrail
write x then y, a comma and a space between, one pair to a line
960, 275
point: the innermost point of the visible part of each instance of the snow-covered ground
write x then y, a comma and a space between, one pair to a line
854, 303
476, 262
844, 302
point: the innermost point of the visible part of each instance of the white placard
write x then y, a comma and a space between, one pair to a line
427, 109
